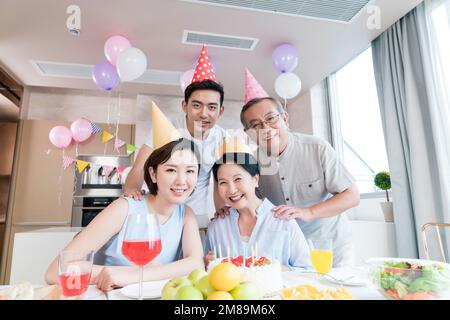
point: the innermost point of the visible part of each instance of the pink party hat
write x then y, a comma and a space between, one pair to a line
252, 88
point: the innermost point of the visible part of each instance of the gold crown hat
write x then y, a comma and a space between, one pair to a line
233, 145
163, 130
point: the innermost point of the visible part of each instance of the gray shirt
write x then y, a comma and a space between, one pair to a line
310, 172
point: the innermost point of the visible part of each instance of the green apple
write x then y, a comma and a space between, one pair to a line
204, 286
170, 289
196, 275
246, 291
189, 293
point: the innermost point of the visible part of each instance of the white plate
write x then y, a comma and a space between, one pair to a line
150, 290
350, 282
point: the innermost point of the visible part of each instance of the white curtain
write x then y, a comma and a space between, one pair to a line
414, 103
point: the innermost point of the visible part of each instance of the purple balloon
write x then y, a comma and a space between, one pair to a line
284, 58
105, 75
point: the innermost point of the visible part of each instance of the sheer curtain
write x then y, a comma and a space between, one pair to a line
414, 102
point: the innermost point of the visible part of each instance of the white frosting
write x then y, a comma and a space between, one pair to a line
267, 278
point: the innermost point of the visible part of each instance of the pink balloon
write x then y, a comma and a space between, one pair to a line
114, 46
81, 130
186, 79
60, 137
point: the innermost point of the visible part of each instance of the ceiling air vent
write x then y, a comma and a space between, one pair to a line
333, 10
84, 71
218, 40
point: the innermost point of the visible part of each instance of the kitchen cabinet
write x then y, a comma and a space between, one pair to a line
41, 190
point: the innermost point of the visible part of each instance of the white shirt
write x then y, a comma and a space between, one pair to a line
207, 148
280, 240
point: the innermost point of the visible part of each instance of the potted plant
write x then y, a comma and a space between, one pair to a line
383, 181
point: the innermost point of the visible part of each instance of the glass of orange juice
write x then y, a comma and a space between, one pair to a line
321, 254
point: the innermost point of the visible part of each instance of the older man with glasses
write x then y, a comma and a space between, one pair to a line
303, 175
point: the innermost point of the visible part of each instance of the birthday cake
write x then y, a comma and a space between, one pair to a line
264, 273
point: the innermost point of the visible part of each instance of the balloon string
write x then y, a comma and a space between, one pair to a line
109, 106
117, 123
285, 104
60, 177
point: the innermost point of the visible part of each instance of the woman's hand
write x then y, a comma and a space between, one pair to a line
208, 258
111, 278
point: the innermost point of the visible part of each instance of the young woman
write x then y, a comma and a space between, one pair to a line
171, 174
251, 227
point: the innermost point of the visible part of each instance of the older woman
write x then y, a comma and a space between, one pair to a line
251, 222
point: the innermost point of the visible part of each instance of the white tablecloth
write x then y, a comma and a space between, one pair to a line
292, 278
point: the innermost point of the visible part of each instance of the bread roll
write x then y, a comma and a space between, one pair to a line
48, 293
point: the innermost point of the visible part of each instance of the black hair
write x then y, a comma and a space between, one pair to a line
245, 160
204, 85
162, 154
258, 100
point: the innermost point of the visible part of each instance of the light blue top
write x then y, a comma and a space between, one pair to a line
276, 239
171, 231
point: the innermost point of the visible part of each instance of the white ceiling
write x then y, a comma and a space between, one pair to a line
36, 30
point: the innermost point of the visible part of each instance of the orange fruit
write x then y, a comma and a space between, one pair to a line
225, 276
220, 295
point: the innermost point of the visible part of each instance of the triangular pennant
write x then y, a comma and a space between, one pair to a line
81, 165
67, 161
106, 136
95, 128
118, 143
120, 170
163, 130
130, 149
107, 170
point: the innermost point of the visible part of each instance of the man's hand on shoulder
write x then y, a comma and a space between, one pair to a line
136, 194
221, 213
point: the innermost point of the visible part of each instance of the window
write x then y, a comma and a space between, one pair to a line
359, 137
441, 31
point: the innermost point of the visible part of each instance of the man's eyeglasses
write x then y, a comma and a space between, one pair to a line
269, 120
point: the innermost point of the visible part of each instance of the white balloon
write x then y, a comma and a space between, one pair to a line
131, 64
288, 85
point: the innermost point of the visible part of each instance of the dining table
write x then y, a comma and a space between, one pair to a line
355, 279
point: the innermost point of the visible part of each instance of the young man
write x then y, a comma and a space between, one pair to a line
202, 105
303, 176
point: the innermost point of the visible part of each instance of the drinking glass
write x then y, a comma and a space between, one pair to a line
142, 241
74, 271
321, 254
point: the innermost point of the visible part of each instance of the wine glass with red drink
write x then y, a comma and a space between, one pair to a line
142, 241
74, 271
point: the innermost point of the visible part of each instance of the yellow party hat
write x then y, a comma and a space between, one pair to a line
163, 130
233, 145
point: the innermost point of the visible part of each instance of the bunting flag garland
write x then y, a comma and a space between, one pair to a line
95, 128
67, 161
107, 170
81, 165
106, 136
118, 143
130, 149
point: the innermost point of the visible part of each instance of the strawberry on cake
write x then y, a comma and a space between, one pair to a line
266, 274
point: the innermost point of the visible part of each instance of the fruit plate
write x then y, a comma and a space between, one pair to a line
150, 290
